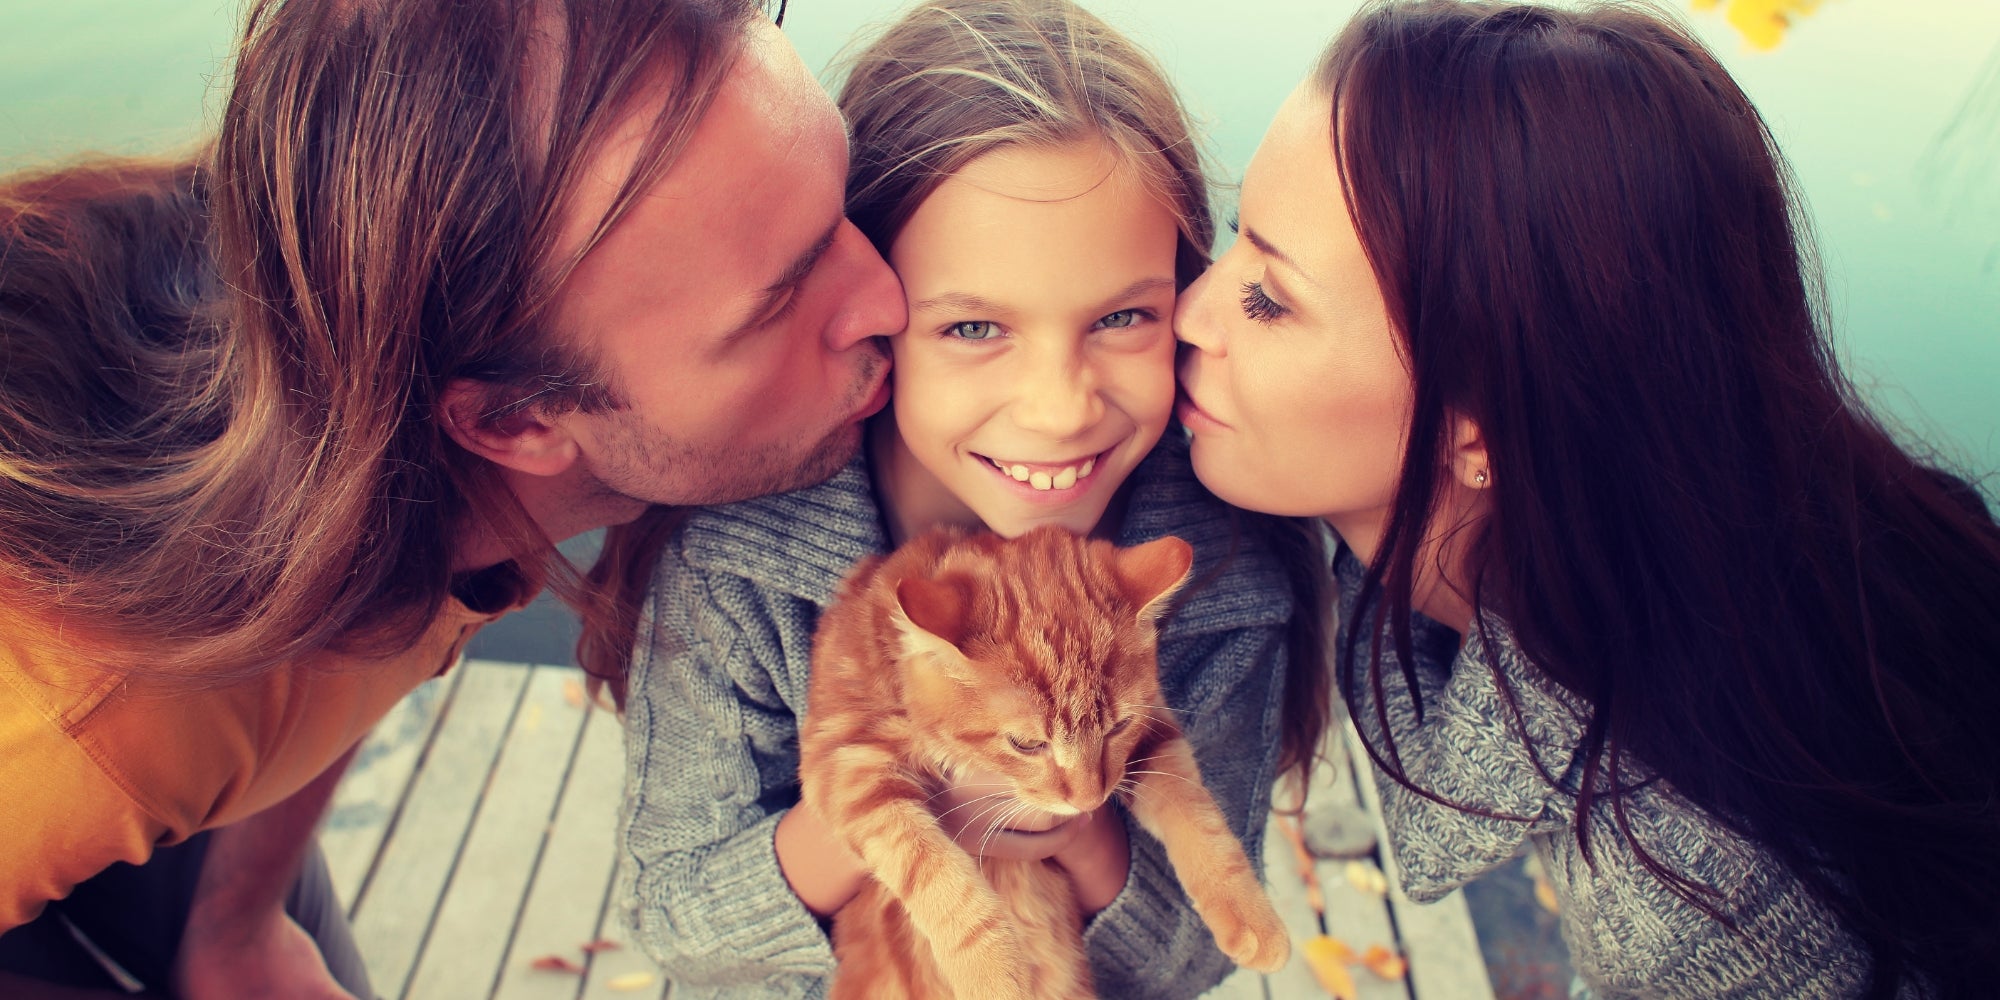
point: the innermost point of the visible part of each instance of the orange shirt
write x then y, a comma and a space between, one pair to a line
98, 768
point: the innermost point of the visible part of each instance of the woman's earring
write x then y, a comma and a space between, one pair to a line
1479, 479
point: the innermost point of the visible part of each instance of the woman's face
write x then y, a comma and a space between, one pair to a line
1292, 381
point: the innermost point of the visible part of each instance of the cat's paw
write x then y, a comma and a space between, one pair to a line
1247, 929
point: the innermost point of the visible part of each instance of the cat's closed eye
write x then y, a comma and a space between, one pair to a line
1027, 746
1119, 726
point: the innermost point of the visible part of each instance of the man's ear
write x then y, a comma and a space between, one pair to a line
1468, 453
525, 440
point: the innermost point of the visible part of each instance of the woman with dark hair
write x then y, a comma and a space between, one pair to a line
1523, 309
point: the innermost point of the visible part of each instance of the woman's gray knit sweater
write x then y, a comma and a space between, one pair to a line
1628, 935
719, 683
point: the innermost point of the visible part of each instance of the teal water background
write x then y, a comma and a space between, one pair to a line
1888, 109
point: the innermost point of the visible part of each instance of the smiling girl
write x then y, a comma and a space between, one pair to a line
1033, 180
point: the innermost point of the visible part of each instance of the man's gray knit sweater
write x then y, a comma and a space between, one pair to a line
1628, 935
719, 683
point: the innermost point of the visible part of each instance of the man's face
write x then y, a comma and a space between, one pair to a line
733, 306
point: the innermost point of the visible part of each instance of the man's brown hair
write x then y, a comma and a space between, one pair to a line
228, 448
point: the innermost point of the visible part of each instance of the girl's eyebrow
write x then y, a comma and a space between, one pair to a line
1138, 288
970, 304
958, 302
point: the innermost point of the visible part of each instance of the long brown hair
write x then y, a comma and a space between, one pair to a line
1586, 238
231, 454
953, 80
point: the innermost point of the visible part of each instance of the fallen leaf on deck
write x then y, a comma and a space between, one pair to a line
1365, 877
556, 963
1327, 958
601, 944
1385, 963
573, 692
629, 982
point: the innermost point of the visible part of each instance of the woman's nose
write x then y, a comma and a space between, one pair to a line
1194, 316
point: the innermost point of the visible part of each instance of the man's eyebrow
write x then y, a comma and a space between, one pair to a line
794, 273
1270, 250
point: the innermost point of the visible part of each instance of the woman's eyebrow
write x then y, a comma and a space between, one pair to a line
1269, 249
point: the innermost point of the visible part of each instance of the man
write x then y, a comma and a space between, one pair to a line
278, 430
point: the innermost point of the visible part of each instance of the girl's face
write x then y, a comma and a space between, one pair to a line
1293, 385
1037, 369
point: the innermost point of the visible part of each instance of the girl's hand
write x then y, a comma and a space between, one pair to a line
982, 816
1098, 859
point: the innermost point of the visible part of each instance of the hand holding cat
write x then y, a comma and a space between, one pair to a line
979, 814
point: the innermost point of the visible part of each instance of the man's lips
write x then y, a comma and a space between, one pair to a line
875, 402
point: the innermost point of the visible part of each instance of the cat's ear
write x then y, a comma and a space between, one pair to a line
1153, 572
933, 617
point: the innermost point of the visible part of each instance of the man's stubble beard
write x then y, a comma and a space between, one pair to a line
649, 467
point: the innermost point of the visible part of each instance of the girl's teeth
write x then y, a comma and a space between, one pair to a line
1060, 480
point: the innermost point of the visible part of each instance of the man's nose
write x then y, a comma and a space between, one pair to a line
874, 306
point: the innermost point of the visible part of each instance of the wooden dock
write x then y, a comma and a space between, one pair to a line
473, 836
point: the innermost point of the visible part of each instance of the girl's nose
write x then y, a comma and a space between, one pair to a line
1058, 398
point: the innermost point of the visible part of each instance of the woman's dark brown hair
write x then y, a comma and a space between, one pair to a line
1587, 241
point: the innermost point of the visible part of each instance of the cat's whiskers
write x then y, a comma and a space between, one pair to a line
969, 802
948, 789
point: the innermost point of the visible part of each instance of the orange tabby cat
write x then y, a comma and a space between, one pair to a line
1032, 660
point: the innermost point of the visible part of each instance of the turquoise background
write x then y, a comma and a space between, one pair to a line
1889, 110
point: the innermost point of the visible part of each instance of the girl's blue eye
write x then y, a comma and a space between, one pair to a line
977, 329
1119, 319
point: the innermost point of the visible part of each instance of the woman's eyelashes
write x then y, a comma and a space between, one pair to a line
1259, 306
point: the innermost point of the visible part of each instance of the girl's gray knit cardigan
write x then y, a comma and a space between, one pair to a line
719, 683
1628, 935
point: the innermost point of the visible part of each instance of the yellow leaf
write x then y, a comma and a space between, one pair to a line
1545, 894
630, 982
1327, 958
573, 692
1367, 878
1385, 963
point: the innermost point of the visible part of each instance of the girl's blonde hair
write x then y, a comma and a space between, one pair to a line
955, 79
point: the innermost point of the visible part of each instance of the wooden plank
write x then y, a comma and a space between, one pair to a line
1445, 961
571, 895
1355, 917
365, 805
476, 919
393, 915
626, 965
1243, 984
